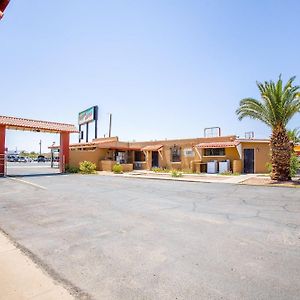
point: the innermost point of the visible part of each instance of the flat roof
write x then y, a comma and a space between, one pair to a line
36, 125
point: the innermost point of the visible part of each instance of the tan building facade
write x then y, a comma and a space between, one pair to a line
213, 155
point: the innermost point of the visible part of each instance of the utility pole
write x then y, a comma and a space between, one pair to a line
40, 143
96, 120
110, 120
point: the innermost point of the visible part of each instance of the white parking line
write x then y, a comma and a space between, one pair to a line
27, 182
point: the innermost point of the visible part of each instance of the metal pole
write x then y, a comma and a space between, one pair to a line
52, 158
79, 133
40, 146
96, 121
87, 133
110, 120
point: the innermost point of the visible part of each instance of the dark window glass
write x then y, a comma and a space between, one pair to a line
214, 152
175, 154
139, 156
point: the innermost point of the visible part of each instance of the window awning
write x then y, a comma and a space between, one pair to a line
218, 144
152, 148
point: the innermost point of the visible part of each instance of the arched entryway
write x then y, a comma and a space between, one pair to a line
36, 126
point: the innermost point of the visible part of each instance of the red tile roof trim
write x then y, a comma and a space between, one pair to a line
36, 125
218, 145
152, 148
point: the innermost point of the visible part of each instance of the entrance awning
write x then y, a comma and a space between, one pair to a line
218, 144
3, 4
152, 148
36, 125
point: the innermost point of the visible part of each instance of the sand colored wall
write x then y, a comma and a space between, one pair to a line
186, 162
77, 156
230, 153
164, 159
261, 155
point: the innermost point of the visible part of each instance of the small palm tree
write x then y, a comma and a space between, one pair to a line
278, 104
294, 135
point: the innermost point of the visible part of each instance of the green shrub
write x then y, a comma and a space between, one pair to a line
72, 169
175, 173
269, 167
226, 173
160, 170
294, 165
87, 167
117, 169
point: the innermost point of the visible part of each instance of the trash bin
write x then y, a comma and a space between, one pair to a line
237, 166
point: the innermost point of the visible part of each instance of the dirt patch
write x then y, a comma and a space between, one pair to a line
269, 182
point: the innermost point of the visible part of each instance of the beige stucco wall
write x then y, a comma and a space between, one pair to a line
261, 155
77, 156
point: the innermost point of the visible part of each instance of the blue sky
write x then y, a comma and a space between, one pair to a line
163, 68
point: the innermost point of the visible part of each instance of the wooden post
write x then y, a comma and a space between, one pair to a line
2, 150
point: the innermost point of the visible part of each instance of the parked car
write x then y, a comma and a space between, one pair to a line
11, 158
22, 159
41, 158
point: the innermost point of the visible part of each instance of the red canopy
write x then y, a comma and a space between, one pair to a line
3, 4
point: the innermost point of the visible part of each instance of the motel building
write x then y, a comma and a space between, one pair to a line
206, 155
213, 154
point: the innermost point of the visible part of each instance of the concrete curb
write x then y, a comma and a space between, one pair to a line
226, 181
43, 273
231, 180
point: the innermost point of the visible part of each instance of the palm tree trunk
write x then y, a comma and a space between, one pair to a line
281, 154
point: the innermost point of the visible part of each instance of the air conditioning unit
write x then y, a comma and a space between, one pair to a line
212, 167
224, 166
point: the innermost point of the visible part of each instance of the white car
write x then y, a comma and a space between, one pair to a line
22, 159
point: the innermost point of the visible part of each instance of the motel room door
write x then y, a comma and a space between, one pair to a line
154, 159
248, 161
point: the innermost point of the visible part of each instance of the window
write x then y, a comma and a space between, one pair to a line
139, 156
175, 154
214, 152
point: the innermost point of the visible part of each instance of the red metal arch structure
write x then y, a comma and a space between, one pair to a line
37, 126
3, 5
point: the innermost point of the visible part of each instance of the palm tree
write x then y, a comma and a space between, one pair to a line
278, 104
294, 135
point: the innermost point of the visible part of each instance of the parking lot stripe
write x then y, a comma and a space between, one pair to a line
27, 182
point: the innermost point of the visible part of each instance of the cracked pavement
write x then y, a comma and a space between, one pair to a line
124, 238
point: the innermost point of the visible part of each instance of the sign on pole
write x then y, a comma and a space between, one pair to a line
85, 117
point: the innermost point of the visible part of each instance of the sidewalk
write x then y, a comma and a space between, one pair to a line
208, 178
21, 279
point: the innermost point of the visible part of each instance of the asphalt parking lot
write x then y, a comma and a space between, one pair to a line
30, 168
127, 238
